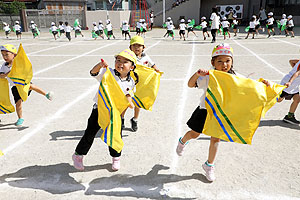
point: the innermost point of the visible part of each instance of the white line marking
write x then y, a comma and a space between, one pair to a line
283, 41
180, 113
48, 121
54, 66
259, 58
52, 48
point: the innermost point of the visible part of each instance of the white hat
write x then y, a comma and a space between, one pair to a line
182, 20
169, 18
32, 22
290, 17
254, 16
17, 22
270, 14
52, 23
141, 20
100, 22
124, 22
283, 15
204, 18
94, 23
234, 16
108, 21
224, 18
189, 20
4, 23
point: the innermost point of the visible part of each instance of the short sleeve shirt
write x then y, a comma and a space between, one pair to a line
5, 68
145, 60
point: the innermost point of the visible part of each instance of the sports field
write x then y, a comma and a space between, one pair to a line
37, 163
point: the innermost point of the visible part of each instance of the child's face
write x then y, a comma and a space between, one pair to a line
222, 63
123, 65
137, 49
8, 56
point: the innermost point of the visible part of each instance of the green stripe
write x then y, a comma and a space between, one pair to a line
140, 101
225, 116
5, 109
17, 79
111, 115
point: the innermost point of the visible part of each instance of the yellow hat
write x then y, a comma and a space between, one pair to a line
128, 54
9, 47
222, 49
137, 40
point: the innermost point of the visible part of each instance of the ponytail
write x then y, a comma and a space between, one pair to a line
136, 76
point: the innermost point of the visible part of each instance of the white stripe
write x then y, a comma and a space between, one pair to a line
259, 58
52, 48
283, 41
54, 66
48, 120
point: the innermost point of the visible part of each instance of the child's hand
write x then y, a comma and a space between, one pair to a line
267, 83
3, 75
103, 64
287, 84
202, 72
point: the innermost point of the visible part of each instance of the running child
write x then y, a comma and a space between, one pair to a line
54, 30
182, 27
9, 52
137, 45
222, 60
290, 26
225, 25
252, 25
101, 29
34, 29
125, 29
78, 31
95, 30
190, 28
68, 30
6, 29
204, 27
235, 24
283, 21
138, 27
144, 27
109, 29
292, 81
124, 63
170, 28
17, 29
61, 27
270, 23
257, 25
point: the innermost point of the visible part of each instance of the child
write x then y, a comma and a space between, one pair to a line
235, 24
290, 26
252, 27
109, 28
144, 27
61, 27
17, 29
125, 29
225, 25
124, 63
204, 27
190, 28
138, 27
137, 45
222, 60
78, 31
9, 52
282, 23
169, 25
292, 81
68, 30
6, 29
270, 22
101, 29
53, 30
33, 28
95, 30
182, 27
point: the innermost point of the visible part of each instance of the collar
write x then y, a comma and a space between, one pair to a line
118, 75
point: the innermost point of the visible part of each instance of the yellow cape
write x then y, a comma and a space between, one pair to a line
5, 104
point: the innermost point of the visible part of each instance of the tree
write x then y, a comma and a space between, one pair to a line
12, 8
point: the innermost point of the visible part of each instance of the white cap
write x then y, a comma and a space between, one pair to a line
234, 16
52, 23
189, 20
32, 22
254, 16
224, 18
290, 17
270, 14
124, 22
283, 16
108, 21
100, 22
94, 23
204, 18
140, 20
169, 18
182, 20
4, 23
17, 22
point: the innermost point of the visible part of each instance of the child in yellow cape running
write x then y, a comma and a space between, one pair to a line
112, 98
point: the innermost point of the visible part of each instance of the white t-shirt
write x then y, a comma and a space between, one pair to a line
290, 23
126, 85
283, 21
170, 26
53, 28
294, 87
252, 24
215, 21
144, 25
78, 28
182, 26
5, 68
96, 28
204, 24
145, 60
17, 27
138, 25
61, 27
33, 26
235, 22
68, 28
125, 27
225, 24
6, 28
101, 27
109, 27
270, 21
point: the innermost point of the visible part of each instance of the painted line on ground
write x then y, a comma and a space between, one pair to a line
283, 41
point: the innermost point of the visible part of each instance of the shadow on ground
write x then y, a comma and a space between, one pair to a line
70, 135
278, 123
12, 126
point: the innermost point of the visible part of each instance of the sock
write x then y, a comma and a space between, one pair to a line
210, 165
134, 119
290, 115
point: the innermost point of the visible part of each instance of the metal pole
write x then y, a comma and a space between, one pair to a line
164, 11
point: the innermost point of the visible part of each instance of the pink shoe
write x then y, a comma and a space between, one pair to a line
209, 172
180, 147
116, 163
77, 162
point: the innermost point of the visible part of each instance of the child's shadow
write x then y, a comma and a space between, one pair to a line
70, 135
278, 123
149, 186
12, 126
54, 179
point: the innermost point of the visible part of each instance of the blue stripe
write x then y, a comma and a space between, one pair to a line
218, 119
136, 102
105, 134
19, 83
3, 111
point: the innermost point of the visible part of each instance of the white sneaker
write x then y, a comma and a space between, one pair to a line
49, 96
209, 172
116, 163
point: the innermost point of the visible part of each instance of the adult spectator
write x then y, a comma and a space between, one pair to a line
215, 23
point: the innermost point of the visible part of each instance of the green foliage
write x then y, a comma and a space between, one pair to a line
12, 8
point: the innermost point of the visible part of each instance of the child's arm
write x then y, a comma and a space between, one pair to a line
131, 105
3, 75
293, 62
98, 66
292, 78
193, 80
155, 68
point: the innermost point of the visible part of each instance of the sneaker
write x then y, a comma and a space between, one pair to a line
77, 162
49, 96
209, 172
123, 124
291, 120
19, 122
180, 147
116, 163
134, 126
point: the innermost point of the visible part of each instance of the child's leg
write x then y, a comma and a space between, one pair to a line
228, 34
189, 135
213, 148
37, 89
295, 103
19, 108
